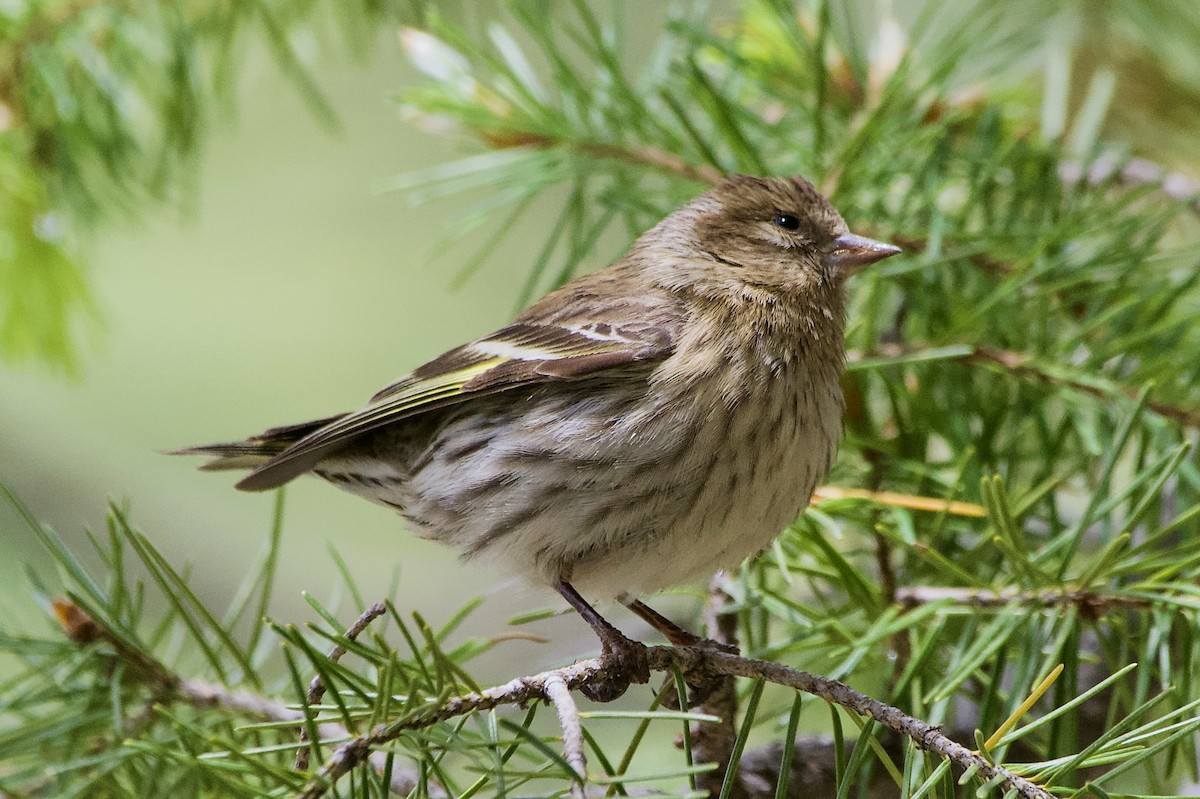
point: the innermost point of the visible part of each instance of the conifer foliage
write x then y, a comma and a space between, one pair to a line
1004, 552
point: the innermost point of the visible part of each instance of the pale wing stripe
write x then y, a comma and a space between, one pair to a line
510, 350
501, 362
543, 343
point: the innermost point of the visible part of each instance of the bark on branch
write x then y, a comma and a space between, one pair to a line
1025, 366
1092, 604
691, 661
168, 686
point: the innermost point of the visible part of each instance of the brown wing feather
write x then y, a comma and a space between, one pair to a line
521, 355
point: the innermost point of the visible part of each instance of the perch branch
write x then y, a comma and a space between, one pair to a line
691, 661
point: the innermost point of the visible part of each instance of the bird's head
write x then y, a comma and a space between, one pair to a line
758, 238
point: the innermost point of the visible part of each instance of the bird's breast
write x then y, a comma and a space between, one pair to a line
770, 450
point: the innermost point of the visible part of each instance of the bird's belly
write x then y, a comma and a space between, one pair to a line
764, 468
616, 495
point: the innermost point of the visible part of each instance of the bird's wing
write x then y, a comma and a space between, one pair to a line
521, 355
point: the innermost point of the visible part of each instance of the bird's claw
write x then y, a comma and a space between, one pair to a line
625, 663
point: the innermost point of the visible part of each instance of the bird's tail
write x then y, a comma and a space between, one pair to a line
254, 451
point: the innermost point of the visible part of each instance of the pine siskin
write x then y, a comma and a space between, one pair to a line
637, 428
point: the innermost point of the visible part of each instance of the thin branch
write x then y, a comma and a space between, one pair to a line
1132, 173
572, 729
644, 155
1024, 365
690, 660
652, 156
81, 628
1093, 604
200, 694
316, 689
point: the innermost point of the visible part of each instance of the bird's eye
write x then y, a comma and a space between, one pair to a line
787, 221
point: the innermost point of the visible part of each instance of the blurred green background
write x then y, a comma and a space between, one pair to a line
295, 287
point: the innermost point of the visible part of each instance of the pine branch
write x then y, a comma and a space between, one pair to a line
38, 28
1134, 173
1092, 604
691, 661
1023, 366
316, 688
429, 701
104, 109
646, 156
170, 687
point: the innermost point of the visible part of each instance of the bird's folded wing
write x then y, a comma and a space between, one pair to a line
521, 355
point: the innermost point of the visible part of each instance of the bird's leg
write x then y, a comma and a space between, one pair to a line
628, 655
672, 631
702, 686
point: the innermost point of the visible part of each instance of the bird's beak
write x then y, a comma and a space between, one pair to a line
849, 253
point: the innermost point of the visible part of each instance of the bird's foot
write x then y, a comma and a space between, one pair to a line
625, 662
677, 635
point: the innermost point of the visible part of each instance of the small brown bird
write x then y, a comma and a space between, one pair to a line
635, 429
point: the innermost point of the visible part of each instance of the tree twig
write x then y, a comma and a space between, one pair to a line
559, 694
316, 688
83, 629
690, 660
1133, 173
651, 156
1092, 604
1025, 365
201, 694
